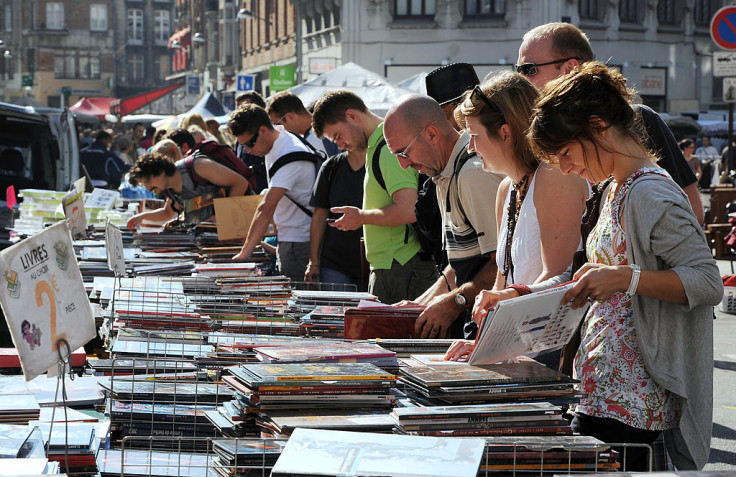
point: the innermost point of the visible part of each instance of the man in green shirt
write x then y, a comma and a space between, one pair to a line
399, 270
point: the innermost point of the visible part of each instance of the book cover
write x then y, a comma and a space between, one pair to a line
257, 374
526, 371
526, 325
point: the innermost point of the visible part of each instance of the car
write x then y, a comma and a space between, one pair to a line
37, 151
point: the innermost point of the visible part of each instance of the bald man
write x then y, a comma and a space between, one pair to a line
419, 134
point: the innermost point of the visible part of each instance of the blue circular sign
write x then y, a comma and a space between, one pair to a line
723, 28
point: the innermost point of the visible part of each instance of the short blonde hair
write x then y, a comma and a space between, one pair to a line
167, 148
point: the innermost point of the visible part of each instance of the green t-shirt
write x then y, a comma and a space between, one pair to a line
384, 244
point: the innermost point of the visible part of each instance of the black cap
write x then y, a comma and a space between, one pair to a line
447, 83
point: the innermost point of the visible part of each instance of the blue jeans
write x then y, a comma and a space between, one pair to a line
332, 280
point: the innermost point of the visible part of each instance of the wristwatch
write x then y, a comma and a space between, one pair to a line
460, 300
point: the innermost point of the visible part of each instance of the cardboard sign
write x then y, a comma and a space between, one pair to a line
43, 298
114, 248
234, 215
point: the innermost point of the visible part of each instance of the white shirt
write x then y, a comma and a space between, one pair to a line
298, 179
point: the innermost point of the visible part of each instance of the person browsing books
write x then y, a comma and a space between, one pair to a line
417, 127
646, 354
536, 236
174, 181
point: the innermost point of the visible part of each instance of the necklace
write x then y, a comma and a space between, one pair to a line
518, 194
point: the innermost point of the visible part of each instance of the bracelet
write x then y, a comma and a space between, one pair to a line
521, 288
313, 264
634, 283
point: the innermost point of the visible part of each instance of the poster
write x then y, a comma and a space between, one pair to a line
43, 298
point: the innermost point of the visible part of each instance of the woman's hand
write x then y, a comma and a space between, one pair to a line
459, 350
486, 300
597, 282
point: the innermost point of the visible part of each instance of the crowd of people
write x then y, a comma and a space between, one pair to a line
539, 176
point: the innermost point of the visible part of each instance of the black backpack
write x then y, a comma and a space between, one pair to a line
428, 225
315, 157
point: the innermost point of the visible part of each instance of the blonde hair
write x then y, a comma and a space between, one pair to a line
168, 149
195, 119
514, 96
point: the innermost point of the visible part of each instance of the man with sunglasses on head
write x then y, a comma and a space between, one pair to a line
289, 188
287, 110
554, 49
466, 195
398, 270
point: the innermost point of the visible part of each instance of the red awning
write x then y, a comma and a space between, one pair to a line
125, 106
182, 36
97, 107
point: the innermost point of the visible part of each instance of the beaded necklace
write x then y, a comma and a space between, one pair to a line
517, 189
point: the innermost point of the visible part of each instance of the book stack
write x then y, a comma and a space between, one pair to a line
19, 410
408, 347
162, 408
226, 270
310, 388
481, 420
151, 463
325, 321
20, 442
72, 445
236, 457
460, 383
165, 241
318, 351
549, 454
304, 301
124, 367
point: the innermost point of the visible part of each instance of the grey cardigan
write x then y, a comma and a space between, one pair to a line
676, 341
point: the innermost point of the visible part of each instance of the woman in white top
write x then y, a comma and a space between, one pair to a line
538, 209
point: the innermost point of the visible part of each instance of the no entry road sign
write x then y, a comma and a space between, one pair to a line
723, 28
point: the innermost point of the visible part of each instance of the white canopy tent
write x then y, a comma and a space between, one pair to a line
417, 82
377, 92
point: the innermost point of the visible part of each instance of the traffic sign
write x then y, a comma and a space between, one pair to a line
246, 82
723, 28
729, 90
193, 85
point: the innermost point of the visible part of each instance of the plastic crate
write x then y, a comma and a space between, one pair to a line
728, 304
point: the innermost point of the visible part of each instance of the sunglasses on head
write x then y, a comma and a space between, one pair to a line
252, 141
530, 69
478, 95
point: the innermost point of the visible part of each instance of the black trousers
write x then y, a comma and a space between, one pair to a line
616, 432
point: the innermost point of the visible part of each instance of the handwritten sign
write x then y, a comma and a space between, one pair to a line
43, 298
114, 247
73, 205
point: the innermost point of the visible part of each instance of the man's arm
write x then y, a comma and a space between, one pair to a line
261, 219
316, 234
166, 212
442, 310
400, 212
222, 176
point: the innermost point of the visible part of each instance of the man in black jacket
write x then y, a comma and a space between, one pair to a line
101, 163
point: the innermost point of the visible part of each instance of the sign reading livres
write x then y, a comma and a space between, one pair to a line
282, 77
43, 298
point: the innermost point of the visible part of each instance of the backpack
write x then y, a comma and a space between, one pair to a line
428, 226
314, 157
220, 154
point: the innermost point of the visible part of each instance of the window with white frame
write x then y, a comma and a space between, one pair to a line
55, 16
161, 26
135, 68
135, 25
485, 8
98, 17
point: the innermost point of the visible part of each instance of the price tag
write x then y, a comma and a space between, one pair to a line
114, 247
73, 204
43, 298
102, 199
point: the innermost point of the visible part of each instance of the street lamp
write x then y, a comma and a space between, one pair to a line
245, 14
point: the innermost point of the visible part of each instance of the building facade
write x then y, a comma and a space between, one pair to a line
663, 47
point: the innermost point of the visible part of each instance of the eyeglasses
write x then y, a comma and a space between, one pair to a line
252, 141
530, 69
404, 153
478, 93
280, 121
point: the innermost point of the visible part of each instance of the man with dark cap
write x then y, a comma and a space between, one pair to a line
447, 84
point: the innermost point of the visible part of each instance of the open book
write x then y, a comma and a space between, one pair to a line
525, 325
